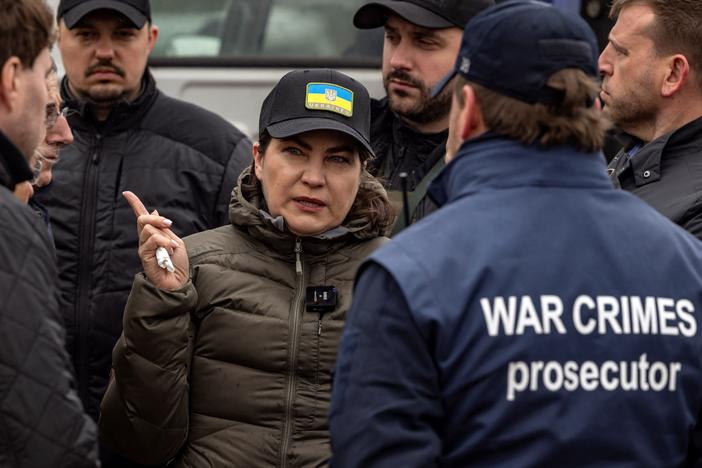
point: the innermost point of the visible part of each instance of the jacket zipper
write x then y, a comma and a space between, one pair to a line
85, 260
292, 352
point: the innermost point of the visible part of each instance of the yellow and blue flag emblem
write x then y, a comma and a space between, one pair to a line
329, 97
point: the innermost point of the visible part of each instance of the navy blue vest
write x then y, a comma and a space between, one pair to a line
563, 316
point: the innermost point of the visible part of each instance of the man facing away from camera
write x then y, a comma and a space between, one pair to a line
551, 320
652, 89
409, 126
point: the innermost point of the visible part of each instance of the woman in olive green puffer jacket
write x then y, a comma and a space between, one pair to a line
227, 360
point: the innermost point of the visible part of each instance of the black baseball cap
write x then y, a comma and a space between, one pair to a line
515, 47
318, 99
136, 11
434, 14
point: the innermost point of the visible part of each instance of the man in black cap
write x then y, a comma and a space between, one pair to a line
127, 136
540, 317
409, 126
43, 422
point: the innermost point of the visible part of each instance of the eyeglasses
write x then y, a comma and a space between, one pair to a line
53, 113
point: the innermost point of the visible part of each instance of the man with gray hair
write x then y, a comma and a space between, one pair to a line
42, 419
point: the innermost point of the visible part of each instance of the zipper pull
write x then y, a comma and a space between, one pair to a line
298, 253
319, 327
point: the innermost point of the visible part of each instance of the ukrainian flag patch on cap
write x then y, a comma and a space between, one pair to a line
329, 97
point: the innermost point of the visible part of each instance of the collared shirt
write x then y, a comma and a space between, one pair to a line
635, 149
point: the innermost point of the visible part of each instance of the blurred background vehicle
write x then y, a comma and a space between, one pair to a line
226, 55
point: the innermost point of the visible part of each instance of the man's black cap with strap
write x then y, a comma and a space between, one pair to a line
514, 72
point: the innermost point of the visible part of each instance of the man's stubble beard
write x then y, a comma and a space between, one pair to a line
636, 106
630, 114
104, 95
426, 109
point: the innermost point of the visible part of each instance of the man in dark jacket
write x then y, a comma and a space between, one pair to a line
541, 317
652, 90
42, 419
409, 126
180, 159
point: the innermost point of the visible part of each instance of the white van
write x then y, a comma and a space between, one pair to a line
226, 55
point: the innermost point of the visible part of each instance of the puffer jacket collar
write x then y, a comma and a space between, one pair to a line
124, 116
494, 162
13, 165
248, 212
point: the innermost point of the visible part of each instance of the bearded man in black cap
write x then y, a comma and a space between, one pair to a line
409, 127
128, 136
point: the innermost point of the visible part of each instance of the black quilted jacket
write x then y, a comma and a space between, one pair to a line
179, 159
42, 423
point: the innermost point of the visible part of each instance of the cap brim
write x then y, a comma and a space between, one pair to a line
72, 16
374, 15
436, 90
291, 127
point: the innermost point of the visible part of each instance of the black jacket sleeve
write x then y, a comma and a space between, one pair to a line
386, 407
240, 159
42, 422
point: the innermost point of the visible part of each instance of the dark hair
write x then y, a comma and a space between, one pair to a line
676, 28
574, 121
26, 28
371, 209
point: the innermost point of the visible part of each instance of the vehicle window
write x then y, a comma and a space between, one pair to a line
276, 31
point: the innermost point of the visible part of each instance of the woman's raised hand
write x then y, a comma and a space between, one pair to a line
153, 231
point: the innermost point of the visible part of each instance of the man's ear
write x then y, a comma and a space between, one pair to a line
470, 119
677, 74
153, 37
258, 159
61, 29
9, 82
